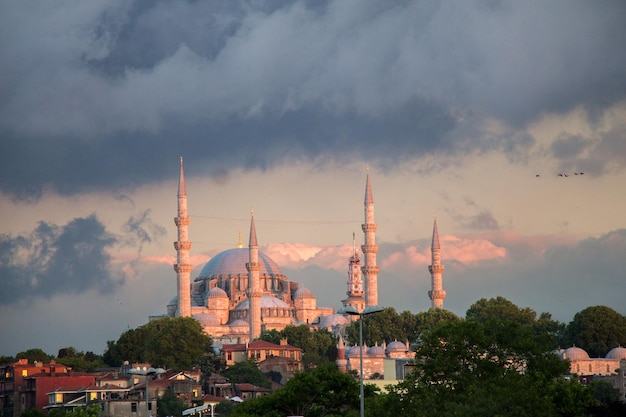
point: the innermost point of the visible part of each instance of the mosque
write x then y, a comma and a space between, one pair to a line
241, 291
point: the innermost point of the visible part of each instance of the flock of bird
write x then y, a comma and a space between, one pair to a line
564, 175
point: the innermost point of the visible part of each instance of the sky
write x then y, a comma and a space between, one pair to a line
505, 120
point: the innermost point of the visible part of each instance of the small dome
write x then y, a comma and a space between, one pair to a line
396, 346
376, 351
575, 353
207, 319
303, 293
617, 353
238, 322
217, 292
173, 301
354, 351
333, 320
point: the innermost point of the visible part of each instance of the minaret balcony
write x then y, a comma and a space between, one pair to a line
436, 269
182, 245
182, 268
369, 227
370, 269
253, 266
182, 220
369, 248
437, 294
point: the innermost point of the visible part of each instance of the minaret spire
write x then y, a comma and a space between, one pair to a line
182, 246
370, 248
437, 294
355, 280
254, 286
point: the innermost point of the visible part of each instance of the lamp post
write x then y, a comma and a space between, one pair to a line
350, 310
147, 373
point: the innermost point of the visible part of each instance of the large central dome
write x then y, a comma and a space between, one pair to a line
233, 262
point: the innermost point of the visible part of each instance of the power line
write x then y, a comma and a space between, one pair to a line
313, 222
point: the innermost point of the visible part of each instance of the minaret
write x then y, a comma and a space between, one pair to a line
342, 363
355, 281
370, 248
254, 290
437, 294
182, 245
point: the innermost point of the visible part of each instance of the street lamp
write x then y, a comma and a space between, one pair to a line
147, 373
350, 310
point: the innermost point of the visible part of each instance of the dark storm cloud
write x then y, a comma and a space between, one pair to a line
105, 95
57, 259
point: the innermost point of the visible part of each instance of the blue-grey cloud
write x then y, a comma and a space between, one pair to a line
57, 259
105, 95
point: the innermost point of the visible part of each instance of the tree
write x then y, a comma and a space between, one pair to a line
246, 371
34, 355
323, 391
597, 330
318, 347
170, 405
79, 361
500, 308
177, 343
385, 326
428, 320
130, 346
479, 368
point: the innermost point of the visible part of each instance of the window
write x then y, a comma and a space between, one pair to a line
24, 372
58, 398
133, 407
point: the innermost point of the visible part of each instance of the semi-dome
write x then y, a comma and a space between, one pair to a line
575, 353
233, 262
207, 319
267, 301
303, 293
217, 292
617, 353
239, 322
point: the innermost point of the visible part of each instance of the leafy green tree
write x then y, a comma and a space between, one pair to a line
323, 391
385, 326
247, 371
428, 320
318, 347
90, 411
33, 355
170, 405
177, 343
79, 361
130, 346
7, 359
33, 412
597, 330
479, 368
500, 308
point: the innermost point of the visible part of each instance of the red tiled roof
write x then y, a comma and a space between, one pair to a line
257, 344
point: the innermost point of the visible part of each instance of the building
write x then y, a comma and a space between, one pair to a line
242, 291
582, 365
25, 385
259, 350
378, 360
